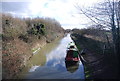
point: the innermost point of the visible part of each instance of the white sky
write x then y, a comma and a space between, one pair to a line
63, 11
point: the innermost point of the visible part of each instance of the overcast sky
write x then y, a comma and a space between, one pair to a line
63, 11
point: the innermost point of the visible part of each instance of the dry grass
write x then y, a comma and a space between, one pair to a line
15, 53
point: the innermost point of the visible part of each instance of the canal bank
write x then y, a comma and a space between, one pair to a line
16, 53
53, 64
21, 38
97, 66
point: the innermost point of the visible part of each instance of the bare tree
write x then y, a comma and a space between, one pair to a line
106, 14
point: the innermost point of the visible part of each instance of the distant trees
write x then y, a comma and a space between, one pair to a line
107, 14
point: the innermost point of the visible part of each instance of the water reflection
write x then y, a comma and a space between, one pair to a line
56, 58
38, 59
33, 68
55, 66
71, 66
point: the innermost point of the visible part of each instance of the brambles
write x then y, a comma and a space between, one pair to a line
15, 27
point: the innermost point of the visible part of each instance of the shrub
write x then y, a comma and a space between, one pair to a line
37, 30
13, 27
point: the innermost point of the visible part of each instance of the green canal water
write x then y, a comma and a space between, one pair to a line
49, 63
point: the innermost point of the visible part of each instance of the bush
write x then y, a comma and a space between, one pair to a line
37, 30
25, 38
32, 31
13, 27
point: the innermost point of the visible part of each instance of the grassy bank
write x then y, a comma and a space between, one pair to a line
21, 37
98, 65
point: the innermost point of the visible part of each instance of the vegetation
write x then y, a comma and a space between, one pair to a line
106, 17
25, 34
99, 59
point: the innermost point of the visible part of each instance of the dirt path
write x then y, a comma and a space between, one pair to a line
96, 66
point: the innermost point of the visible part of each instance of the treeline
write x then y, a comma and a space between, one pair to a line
22, 36
16, 27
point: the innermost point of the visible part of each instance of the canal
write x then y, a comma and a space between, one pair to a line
49, 63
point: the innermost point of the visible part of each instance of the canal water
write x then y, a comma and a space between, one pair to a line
49, 63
